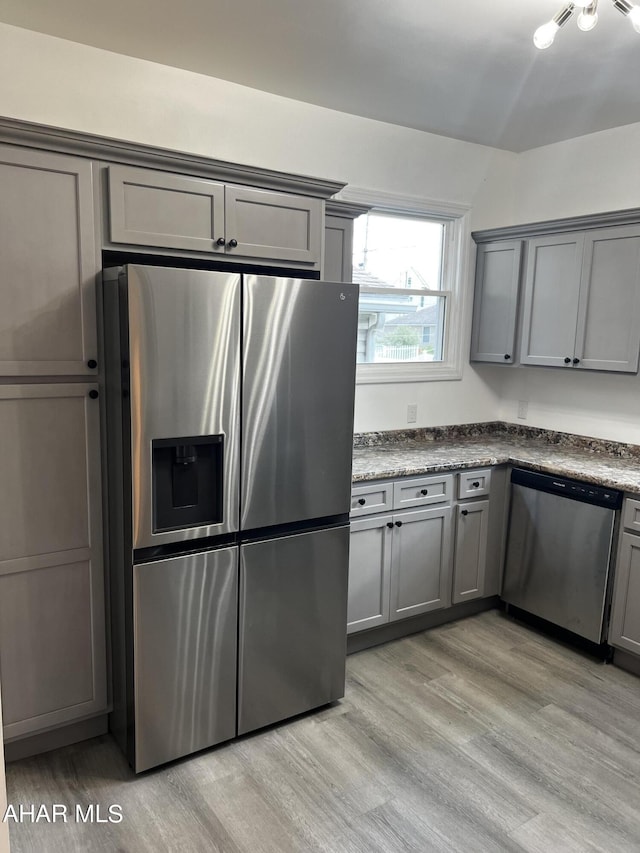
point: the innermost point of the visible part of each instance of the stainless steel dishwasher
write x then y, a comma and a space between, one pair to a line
559, 551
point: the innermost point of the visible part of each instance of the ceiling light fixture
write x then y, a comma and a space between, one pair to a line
587, 19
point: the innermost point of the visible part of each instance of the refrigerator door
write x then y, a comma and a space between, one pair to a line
293, 625
184, 649
298, 392
184, 381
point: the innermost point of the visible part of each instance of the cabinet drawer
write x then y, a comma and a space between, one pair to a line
474, 484
631, 515
422, 491
374, 497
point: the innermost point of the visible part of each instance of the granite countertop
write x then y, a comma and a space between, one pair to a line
417, 452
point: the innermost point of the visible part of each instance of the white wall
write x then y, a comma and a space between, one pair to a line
64, 84
593, 173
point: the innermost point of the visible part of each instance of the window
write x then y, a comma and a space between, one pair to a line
409, 265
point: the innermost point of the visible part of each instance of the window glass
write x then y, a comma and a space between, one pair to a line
397, 261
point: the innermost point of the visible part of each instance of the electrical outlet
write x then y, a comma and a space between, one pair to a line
412, 413
523, 408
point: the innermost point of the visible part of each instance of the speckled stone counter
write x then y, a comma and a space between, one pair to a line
405, 453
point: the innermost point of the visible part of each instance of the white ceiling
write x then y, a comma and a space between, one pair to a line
461, 68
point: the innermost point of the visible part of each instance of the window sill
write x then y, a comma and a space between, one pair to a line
379, 374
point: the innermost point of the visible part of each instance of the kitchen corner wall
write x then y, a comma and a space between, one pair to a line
60, 83
589, 174
64, 84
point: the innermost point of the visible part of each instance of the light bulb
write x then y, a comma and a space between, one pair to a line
634, 17
587, 21
544, 35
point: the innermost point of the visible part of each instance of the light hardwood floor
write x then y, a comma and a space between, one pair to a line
482, 735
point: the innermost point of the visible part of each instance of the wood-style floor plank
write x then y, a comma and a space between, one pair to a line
482, 735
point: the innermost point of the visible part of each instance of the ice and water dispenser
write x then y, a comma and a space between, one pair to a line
187, 481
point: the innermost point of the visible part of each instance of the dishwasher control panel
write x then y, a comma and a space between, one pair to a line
574, 489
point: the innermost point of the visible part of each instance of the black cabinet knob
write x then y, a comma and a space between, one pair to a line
362, 501
476, 484
398, 524
507, 357
389, 524
464, 512
576, 361
220, 241
232, 243
424, 491
567, 360
92, 363
93, 394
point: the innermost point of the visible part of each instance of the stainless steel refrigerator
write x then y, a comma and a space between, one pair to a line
229, 440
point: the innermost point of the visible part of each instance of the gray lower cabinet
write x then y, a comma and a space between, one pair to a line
496, 301
48, 264
470, 550
52, 608
420, 562
624, 630
411, 552
369, 572
400, 561
168, 211
399, 566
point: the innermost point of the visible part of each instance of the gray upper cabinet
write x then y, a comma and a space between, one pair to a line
338, 238
275, 226
496, 301
338, 249
582, 300
148, 208
624, 631
52, 608
48, 264
551, 298
608, 332
168, 211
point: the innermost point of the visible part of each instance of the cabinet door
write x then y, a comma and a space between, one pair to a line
496, 301
338, 248
148, 208
52, 631
608, 335
551, 296
369, 572
421, 562
624, 631
47, 264
263, 224
470, 551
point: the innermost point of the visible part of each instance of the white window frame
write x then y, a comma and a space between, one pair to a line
455, 218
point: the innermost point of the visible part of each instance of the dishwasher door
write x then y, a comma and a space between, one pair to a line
558, 555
